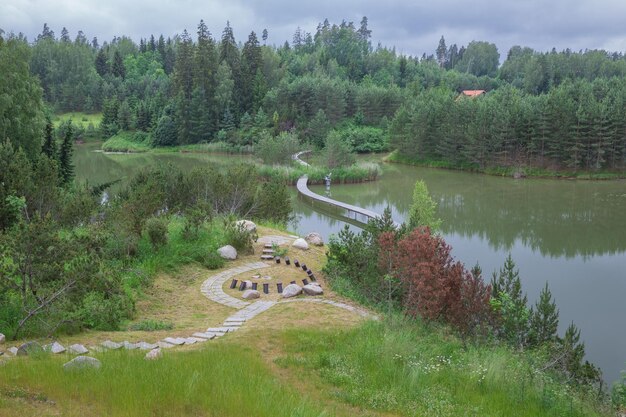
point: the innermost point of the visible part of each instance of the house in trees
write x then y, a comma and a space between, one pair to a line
471, 93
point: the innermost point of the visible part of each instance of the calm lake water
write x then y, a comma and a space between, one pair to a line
571, 234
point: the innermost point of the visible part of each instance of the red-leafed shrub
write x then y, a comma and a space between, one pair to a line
435, 286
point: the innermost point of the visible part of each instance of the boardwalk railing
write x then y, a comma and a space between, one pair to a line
358, 214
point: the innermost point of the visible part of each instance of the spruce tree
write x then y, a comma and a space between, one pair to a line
102, 66
118, 69
66, 166
49, 147
544, 320
506, 289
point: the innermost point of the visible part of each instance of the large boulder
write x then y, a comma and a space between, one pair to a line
251, 294
292, 290
82, 362
246, 224
314, 239
2, 338
312, 289
228, 252
300, 244
28, 348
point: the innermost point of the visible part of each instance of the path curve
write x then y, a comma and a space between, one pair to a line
212, 287
353, 212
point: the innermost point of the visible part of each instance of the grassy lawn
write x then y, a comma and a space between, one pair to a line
78, 118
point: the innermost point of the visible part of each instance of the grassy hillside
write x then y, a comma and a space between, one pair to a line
296, 359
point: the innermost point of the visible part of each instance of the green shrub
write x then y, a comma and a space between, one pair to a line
151, 326
156, 227
101, 313
365, 139
211, 260
337, 151
240, 238
278, 149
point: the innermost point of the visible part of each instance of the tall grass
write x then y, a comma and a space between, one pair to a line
126, 142
352, 174
218, 380
178, 251
411, 369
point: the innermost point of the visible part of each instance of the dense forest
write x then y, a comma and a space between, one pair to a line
555, 110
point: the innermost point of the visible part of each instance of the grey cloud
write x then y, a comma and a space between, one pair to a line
413, 27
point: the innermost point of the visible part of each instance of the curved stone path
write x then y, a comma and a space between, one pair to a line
212, 287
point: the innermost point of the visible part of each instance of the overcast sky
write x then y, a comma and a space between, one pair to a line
412, 26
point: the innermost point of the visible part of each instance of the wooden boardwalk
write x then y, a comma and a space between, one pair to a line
355, 213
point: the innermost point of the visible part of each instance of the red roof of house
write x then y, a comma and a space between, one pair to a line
472, 93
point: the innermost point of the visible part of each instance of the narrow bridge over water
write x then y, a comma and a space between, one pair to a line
353, 214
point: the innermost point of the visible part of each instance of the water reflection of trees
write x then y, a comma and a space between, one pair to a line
555, 217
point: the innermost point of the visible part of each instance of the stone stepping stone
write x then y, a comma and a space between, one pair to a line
81, 362
77, 349
220, 329
107, 344
268, 246
232, 324
130, 346
147, 346
267, 257
13, 351
165, 345
174, 340
270, 251
197, 339
205, 336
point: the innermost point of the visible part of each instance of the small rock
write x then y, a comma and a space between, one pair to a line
77, 349
154, 354
248, 284
2, 338
311, 289
292, 290
56, 347
107, 344
12, 351
28, 348
315, 239
247, 224
82, 362
300, 244
228, 252
250, 294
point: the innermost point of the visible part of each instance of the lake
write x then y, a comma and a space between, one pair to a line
571, 234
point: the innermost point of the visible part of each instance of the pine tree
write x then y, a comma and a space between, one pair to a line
205, 79
66, 166
506, 289
251, 63
118, 69
124, 116
318, 129
65, 35
441, 52
102, 66
264, 36
49, 147
544, 319
229, 53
